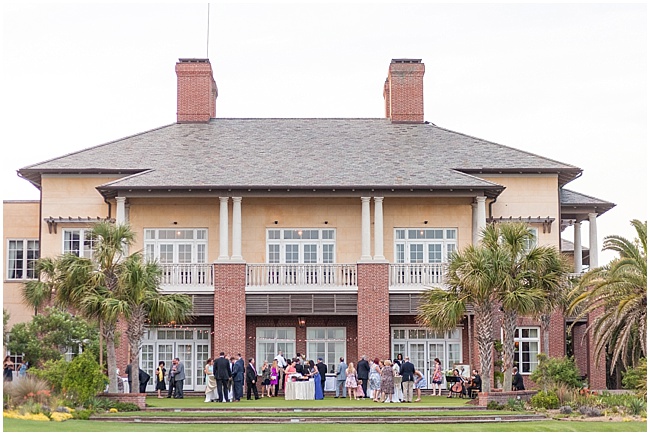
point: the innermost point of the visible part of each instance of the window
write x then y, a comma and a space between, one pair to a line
300, 246
326, 343
272, 340
21, 256
530, 244
425, 245
176, 246
78, 242
526, 349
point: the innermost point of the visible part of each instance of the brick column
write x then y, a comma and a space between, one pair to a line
229, 308
557, 335
597, 364
373, 320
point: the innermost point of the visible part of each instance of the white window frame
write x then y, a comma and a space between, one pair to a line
85, 237
283, 242
277, 342
519, 352
26, 272
532, 243
198, 242
329, 338
447, 243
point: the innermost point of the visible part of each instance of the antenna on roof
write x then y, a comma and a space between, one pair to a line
207, 42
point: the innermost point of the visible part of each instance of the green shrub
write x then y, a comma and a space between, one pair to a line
637, 378
553, 372
99, 403
545, 400
83, 379
494, 405
125, 407
514, 405
565, 410
637, 405
590, 411
53, 372
82, 414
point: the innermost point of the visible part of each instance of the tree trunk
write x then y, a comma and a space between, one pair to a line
134, 333
545, 320
509, 326
111, 359
484, 332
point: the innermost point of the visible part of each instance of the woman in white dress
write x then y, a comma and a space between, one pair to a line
210, 381
398, 395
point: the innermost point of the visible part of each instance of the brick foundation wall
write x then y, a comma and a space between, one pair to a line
502, 397
135, 398
229, 309
373, 324
580, 354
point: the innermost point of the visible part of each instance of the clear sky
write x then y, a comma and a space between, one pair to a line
566, 81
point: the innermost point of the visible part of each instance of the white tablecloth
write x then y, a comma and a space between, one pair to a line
300, 390
330, 383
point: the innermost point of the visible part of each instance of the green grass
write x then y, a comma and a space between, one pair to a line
307, 413
12, 425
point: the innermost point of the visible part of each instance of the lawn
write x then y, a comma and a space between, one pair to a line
11, 425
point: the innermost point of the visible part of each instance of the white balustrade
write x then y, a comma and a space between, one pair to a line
187, 275
417, 275
301, 275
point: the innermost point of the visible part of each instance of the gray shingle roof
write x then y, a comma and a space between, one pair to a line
300, 153
569, 197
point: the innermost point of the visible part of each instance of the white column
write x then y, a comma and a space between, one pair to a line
593, 241
475, 235
577, 247
365, 229
236, 229
379, 228
223, 229
480, 216
120, 212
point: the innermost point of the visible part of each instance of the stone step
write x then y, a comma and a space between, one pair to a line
297, 408
230, 419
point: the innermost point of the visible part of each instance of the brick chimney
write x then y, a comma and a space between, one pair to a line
197, 91
403, 91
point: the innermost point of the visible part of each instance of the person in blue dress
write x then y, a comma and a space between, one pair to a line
314, 373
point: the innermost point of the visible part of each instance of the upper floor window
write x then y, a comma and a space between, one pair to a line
303, 246
170, 246
78, 242
531, 243
425, 245
21, 256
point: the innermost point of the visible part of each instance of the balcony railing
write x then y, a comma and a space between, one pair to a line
417, 276
299, 276
187, 275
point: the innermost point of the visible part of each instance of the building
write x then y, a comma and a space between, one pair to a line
307, 235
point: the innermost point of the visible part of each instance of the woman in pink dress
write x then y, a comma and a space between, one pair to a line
275, 374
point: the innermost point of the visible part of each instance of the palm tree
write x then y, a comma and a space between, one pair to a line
526, 279
92, 285
617, 295
470, 281
39, 293
139, 288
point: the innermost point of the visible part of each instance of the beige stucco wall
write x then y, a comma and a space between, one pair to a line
70, 196
529, 195
20, 221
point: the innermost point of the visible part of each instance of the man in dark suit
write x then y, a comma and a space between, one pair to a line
128, 371
476, 383
222, 374
251, 379
143, 379
238, 370
299, 368
363, 371
322, 369
407, 370
517, 380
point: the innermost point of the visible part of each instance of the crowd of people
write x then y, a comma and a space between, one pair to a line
380, 380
